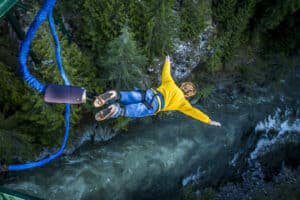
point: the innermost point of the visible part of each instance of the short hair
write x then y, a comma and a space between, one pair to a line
193, 91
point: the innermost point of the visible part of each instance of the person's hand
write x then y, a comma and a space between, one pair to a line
167, 58
214, 123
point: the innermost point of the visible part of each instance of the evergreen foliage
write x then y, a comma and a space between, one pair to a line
123, 62
254, 22
279, 26
276, 12
111, 55
102, 21
23, 109
194, 16
233, 18
152, 23
80, 72
137, 16
17, 137
160, 27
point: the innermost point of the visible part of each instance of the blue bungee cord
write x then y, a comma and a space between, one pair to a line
45, 10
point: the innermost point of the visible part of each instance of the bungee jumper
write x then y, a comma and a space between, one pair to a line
167, 97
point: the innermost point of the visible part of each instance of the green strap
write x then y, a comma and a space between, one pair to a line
6, 5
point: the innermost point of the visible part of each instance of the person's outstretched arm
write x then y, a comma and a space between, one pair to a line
195, 113
166, 71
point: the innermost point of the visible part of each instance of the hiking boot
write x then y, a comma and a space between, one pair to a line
104, 98
106, 113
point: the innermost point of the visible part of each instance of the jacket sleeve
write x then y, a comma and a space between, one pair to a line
166, 73
195, 113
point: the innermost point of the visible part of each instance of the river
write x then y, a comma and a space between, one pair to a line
156, 158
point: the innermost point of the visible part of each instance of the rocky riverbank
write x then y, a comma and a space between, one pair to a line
265, 164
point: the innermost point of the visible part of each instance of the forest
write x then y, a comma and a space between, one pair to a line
111, 44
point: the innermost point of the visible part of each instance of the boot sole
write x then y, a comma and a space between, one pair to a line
98, 115
100, 101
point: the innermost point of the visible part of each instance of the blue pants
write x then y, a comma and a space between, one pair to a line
132, 104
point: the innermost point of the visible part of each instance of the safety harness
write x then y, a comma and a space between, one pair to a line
160, 100
156, 95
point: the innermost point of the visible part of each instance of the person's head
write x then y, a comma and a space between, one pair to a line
188, 89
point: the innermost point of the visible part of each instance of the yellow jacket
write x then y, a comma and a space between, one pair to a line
174, 98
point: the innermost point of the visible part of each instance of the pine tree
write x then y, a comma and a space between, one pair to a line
136, 18
280, 10
80, 71
160, 27
45, 122
124, 62
193, 16
101, 22
152, 23
278, 21
233, 18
